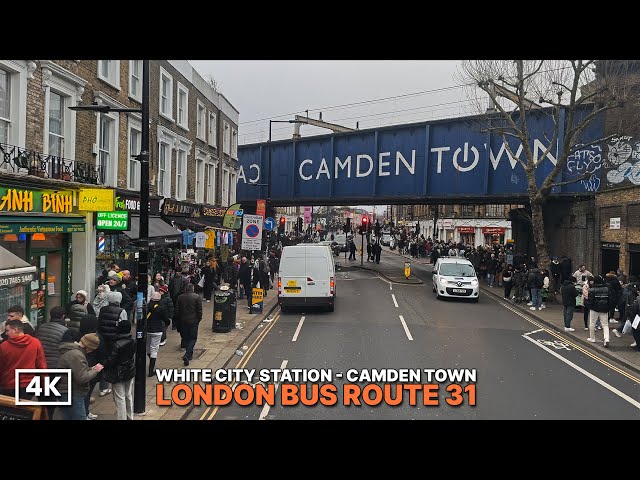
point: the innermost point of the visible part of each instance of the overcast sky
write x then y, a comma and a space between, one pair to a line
279, 89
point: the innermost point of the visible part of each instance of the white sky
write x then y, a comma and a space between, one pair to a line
279, 89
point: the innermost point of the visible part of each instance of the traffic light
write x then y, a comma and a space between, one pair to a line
365, 224
347, 226
300, 224
281, 224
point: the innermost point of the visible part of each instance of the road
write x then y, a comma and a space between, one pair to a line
523, 371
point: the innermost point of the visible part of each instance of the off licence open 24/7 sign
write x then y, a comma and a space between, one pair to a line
112, 221
252, 232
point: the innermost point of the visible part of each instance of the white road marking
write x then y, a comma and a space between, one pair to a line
295, 335
390, 287
535, 331
406, 329
394, 300
589, 375
265, 409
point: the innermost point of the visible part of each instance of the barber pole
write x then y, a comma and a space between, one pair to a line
101, 244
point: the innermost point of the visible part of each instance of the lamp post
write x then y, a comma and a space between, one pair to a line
139, 399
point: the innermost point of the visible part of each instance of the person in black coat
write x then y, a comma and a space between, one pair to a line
566, 269
599, 303
244, 275
209, 279
156, 320
569, 293
555, 274
120, 371
189, 309
615, 290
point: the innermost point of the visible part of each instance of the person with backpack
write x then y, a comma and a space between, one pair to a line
629, 309
599, 303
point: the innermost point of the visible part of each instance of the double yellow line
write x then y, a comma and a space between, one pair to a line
243, 362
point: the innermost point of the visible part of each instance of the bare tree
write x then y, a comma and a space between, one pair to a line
215, 84
574, 88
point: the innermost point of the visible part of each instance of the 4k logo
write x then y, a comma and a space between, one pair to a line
44, 386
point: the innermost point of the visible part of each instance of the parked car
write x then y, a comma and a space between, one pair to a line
385, 239
340, 244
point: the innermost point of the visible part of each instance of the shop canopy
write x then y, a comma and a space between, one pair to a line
196, 223
160, 232
13, 269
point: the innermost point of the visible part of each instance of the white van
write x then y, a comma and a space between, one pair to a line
307, 276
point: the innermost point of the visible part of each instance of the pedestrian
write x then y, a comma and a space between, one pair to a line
107, 324
377, 250
116, 285
81, 298
632, 312
120, 370
51, 335
176, 287
166, 304
615, 290
582, 274
19, 350
569, 294
101, 298
16, 312
555, 273
189, 310
74, 315
74, 357
507, 281
209, 274
274, 266
599, 302
155, 322
244, 275
535, 282
352, 250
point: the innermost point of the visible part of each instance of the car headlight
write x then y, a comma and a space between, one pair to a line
443, 281
474, 283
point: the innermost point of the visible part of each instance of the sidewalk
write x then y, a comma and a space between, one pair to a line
619, 349
392, 273
213, 350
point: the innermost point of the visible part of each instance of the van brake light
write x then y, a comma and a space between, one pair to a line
332, 285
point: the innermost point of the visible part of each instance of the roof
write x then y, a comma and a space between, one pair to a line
453, 260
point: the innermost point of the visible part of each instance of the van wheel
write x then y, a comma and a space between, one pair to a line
284, 309
331, 308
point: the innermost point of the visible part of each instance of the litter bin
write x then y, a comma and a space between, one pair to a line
224, 309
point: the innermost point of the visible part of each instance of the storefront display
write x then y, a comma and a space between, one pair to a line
16, 276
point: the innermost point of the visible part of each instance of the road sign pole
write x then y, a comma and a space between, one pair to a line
361, 250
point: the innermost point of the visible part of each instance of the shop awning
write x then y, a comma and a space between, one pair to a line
160, 232
196, 223
42, 224
13, 269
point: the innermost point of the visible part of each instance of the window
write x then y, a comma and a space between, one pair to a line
200, 179
164, 170
200, 119
494, 211
135, 142
107, 145
181, 174
226, 138
183, 106
166, 94
225, 186
232, 189
56, 124
234, 143
211, 184
5, 105
468, 211
109, 71
213, 133
135, 73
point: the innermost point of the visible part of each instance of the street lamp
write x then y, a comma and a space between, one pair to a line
139, 397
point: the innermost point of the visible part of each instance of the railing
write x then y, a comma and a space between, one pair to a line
21, 160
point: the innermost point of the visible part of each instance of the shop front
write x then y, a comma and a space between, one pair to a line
493, 235
37, 227
16, 277
467, 235
118, 233
609, 257
634, 259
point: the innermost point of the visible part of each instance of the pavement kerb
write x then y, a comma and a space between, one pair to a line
591, 346
417, 282
226, 364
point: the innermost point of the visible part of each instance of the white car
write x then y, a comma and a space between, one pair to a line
455, 277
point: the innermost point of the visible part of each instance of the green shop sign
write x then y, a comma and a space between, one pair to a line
112, 221
41, 225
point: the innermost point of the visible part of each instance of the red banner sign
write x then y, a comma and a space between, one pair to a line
493, 230
261, 206
466, 229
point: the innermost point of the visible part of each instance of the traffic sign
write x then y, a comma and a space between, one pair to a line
269, 224
252, 232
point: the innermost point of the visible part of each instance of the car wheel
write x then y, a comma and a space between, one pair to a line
475, 300
284, 308
433, 289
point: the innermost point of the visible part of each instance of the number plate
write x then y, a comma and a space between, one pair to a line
292, 283
459, 290
292, 289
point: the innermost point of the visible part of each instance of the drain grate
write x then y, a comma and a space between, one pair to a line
199, 352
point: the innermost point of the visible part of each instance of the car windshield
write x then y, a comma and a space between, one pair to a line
457, 270
340, 238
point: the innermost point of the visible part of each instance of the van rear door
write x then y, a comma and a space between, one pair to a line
293, 273
318, 274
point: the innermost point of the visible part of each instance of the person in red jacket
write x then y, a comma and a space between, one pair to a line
20, 350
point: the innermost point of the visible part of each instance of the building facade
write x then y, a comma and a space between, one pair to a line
55, 159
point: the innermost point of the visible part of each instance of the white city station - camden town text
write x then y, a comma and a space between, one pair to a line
464, 159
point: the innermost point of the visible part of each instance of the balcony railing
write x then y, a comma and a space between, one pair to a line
21, 160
